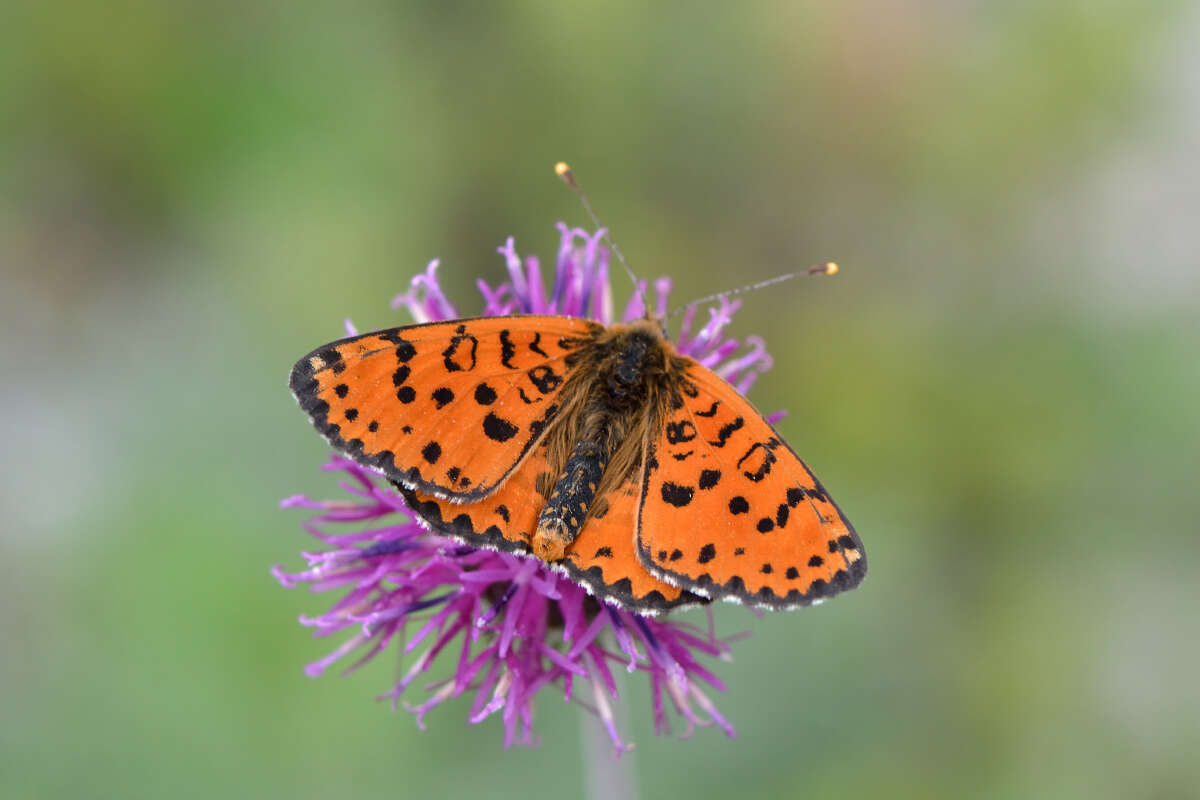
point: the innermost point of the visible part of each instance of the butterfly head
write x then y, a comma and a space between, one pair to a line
634, 357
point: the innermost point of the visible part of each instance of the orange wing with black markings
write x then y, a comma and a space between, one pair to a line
449, 408
730, 511
502, 521
601, 558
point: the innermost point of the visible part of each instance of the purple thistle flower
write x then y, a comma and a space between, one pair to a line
513, 626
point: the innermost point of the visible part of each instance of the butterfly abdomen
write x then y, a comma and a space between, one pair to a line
565, 512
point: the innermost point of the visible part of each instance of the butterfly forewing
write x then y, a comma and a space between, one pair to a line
449, 408
729, 510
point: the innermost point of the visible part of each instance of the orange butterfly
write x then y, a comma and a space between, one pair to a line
599, 449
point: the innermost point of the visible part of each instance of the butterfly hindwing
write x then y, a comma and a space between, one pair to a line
502, 521
449, 408
729, 510
601, 558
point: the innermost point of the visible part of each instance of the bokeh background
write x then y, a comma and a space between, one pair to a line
1002, 388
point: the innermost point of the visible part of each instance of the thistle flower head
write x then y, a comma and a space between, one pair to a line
497, 627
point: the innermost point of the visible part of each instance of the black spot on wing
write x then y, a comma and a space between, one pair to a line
431, 452
711, 412
485, 395
507, 350
498, 429
709, 478
459, 355
330, 356
728, 430
738, 505
545, 379
406, 394
707, 553
678, 432
760, 457
678, 496
404, 348
535, 345
442, 395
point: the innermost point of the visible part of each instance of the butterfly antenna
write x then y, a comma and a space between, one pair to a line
828, 268
563, 170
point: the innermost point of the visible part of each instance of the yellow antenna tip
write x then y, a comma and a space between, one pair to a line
828, 268
563, 170
831, 268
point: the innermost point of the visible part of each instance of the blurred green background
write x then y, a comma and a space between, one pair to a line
1002, 388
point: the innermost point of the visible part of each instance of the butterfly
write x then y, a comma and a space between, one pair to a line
598, 449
